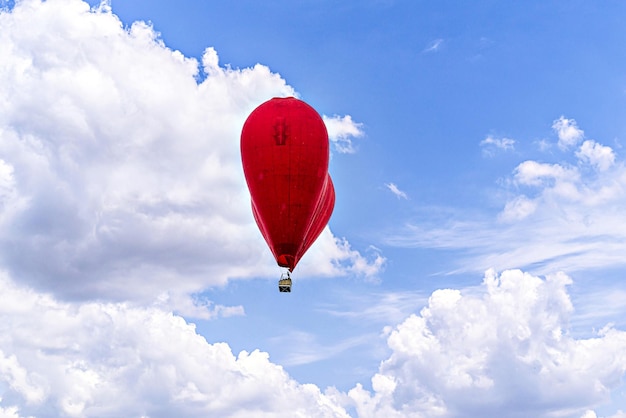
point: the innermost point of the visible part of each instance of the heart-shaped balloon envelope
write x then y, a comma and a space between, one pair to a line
285, 152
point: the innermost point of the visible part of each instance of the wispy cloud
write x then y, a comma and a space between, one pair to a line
491, 145
557, 216
543, 145
305, 348
396, 191
434, 46
379, 307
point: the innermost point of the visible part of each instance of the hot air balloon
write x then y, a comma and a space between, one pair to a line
285, 152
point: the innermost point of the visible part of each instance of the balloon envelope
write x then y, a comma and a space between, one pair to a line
285, 152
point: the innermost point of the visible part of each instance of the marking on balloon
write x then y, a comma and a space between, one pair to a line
280, 131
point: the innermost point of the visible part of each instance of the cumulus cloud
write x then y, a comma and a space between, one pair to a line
568, 132
598, 155
501, 350
121, 198
491, 145
120, 172
341, 131
533, 173
112, 359
345, 259
120, 176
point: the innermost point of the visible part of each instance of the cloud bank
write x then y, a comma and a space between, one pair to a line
503, 350
120, 173
110, 359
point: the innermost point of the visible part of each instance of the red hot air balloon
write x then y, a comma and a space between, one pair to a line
285, 152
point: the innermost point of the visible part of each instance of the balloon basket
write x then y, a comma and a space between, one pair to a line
284, 284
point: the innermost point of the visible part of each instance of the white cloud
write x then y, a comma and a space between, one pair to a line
599, 156
619, 414
556, 216
304, 348
501, 350
341, 130
543, 145
458, 354
196, 307
568, 132
111, 359
518, 209
434, 46
394, 189
121, 173
344, 259
491, 145
560, 180
121, 182
384, 308
592, 414
532, 173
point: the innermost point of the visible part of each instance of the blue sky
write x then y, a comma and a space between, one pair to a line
473, 265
